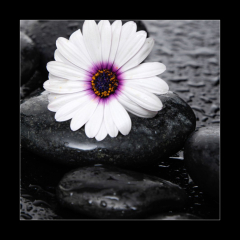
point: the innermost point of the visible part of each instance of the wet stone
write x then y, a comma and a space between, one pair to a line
29, 57
110, 192
148, 141
201, 156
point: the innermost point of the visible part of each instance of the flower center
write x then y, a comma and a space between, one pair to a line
104, 83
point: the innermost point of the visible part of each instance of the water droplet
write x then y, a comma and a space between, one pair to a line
196, 84
163, 166
29, 207
103, 204
112, 198
178, 79
97, 165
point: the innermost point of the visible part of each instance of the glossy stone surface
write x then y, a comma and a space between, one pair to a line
201, 156
29, 57
109, 192
148, 141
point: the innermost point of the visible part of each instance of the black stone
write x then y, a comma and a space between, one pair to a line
201, 156
110, 192
29, 57
148, 141
44, 34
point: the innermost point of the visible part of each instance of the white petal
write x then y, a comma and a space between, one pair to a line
144, 70
106, 38
109, 123
53, 77
120, 116
152, 84
116, 32
130, 49
102, 133
58, 100
72, 54
66, 86
132, 107
139, 56
54, 96
128, 30
60, 58
77, 39
92, 41
100, 25
68, 110
142, 97
93, 125
84, 113
64, 70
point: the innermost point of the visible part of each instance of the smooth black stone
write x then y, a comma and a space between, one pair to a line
173, 216
201, 156
109, 192
149, 140
29, 57
44, 34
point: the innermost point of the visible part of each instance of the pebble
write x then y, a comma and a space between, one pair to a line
148, 141
201, 156
112, 193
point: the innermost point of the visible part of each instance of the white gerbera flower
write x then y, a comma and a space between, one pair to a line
97, 76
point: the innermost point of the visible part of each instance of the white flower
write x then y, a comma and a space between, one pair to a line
97, 76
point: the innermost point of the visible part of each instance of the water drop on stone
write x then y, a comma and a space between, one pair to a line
103, 204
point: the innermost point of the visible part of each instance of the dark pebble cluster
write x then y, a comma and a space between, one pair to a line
167, 168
